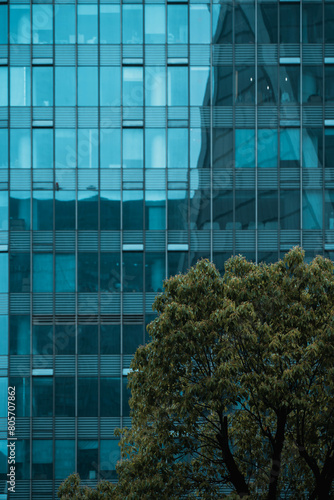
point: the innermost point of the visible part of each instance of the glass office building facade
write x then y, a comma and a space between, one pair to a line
136, 138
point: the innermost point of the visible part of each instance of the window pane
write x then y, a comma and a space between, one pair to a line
267, 85
199, 86
64, 458
3, 24
65, 210
289, 147
244, 23
3, 210
155, 210
154, 272
110, 86
110, 148
20, 148
155, 148
245, 85
177, 263
19, 210
87, 459
42, 340
132, 210
65, 24
290, 23
312, 23
110, 29
312, 84
290, 84
88, 153
110, 339
87, 210
222, 85
65, 273
132, 272
177, 210
65, 149
42, 459
20, 86
42, 24
87, 339
199, 24
42, 273
42, 87
312, 209
329, 148
222, 23
290, 209
110, 405
20, 24
245, 209
87, 86
132, 24
267, 209
177, 23
133, 148
267, 24
329, 84
4, 86
312, 148
267, 148
223, 209
42, 149
65, 396
4, 335
132, 86
222, 148
42, 396
244, 148
87, 397
3, 148
155, 86
87, 272
19, 335
110, 210
177, 148
154, 24
329, 24
87, 24
110, 270
109, 455
4, 272
178, 86
42, 210
65, 86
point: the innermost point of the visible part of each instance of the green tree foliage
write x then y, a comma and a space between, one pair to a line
233, 396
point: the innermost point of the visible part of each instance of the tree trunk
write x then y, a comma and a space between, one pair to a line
276, 456
324, 481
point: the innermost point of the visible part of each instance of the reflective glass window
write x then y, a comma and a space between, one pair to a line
267, 148
289, 84
20, 86
267, 23
110, 270
132, 86
42, 24
244, 148
155, 210
199, 86
22, 396
42, 90
155, 24
42, 148
312, 148
329, 148
4, 86
110, 27
65, 210
155, 86
64, 340
110, 406
42, 396
329, 209
65, 146
177, 147
267, 209
109, 456
329, 22
132, 272
64, 458
177, 210
290, 23
4, 272
3, 24
132, 210
42, 340
22, 459
155, 148
110, 338
19, 29
65, 396
110, 202
4, 335
177, 86
4, 210
110, 86
42, 210
65, 24
245, 209
199, 143
177, 263
87, 86
289, 147
42, 459
87, 339
244, 19
42, 272
110, 148
87, 210
222, 139
87, 397
87, 457
199, 24
87, 24
19, 335
177, 24
154, 273
132, 24
20, 148
65, 86
200, 217
312, 23
245, 85
312, 209
65, 272
3, 148
267, 85
19, 204
222, 15
329, 83
88, 148
290, 209
133, 148
222, 85
87, 272
312, 84
132, 338
19, 272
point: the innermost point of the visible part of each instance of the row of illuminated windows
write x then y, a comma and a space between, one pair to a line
132, 86
57, 460
133, 148
184, 24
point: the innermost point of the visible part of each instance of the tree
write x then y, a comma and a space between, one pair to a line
233, 396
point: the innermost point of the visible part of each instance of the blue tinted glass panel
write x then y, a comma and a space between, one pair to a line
289, 84
19, 272
222, 85
267, 23
65, 86
20, 24
4, 272
177, 210
267, 148
110, 272
20, 148
267, 209
289, 147
3, 148
87, 456
155, 86
22, 385
177, 86
23, 459
42, 459
65, 145
329, 148
87, 210
133, 148
42, 272
42, 94
110, 148
199, 24
65, 272
329, 84
199, 142
42, 396
132, 24
290, 23
177, 24
222, 148
245, 209
222, 16
177, 148
42, 210
4, 86
42, 148
155, 24
154, 274
87, 272
19, 335
64, 458
329, 209
87, 339
4, 335
244, 148
244, 15
267, 85
312, 209
312, 148
110, 338
110, 27
312, 85
329, 24
42, 24
20, 86
245, 85
155, 148
65, 210
110, 406
65, 24
177, 263
87, 24
132, 86
290, 209
312, 23
3, 24
19, 210
132, 338
42, 337
110, 86
155, 210
87, 86
88, 142
132, 272
3, 210
199, 86
87, 397
109, 456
